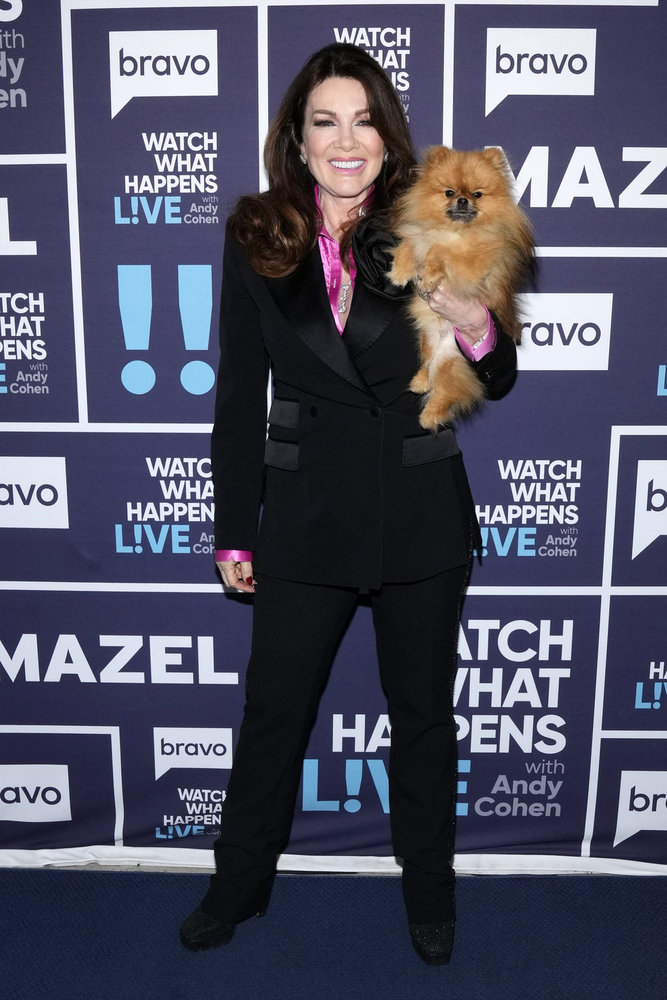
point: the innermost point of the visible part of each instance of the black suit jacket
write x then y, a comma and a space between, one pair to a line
352, 491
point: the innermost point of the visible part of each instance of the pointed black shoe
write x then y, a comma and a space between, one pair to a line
433, 942
200, 931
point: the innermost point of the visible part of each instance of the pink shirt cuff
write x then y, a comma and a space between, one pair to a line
238, 555
475, 352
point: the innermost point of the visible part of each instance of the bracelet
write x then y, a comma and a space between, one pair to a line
478, 343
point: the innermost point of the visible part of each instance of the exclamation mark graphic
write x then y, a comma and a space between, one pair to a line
484, 532
462, 787
195, 300
135, 299
657, 691
353, 783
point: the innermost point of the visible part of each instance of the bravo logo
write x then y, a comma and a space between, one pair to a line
642, 803
650, 521
162, 64
565, 332
35, 793
192, 748
538, 61
33, 493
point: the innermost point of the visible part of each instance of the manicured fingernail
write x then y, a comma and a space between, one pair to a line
248, 579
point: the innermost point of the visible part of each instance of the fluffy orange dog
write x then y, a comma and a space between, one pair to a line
459, 223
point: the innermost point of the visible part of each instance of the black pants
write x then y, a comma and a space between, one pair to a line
296, 630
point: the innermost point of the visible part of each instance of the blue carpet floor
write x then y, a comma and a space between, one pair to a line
91, 935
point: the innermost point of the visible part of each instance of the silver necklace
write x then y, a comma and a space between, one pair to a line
342, 302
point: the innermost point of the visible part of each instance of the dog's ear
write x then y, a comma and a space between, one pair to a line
496, 158
429, 155
433, 154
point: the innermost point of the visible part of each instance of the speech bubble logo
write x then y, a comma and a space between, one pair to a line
162, 64
35, 793
565, 331
539, 61
650, 505
642, 803
191, 748
33, 492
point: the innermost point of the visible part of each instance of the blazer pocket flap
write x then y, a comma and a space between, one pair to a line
284, 412
430, 447
282, 454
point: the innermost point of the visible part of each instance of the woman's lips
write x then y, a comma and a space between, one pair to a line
349, 166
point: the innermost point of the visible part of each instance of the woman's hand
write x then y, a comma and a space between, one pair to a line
237, 575
468, 315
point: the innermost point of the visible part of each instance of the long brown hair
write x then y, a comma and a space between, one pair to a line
279, 227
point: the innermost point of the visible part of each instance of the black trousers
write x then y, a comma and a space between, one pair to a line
296, 630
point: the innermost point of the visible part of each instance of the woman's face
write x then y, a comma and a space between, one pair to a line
343, 150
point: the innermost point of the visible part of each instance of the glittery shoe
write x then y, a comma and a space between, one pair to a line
200, 931
433, 942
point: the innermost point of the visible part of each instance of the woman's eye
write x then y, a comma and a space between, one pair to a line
366, 121
323, 123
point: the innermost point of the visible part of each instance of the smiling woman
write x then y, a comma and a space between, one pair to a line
341, 147
280, 227
355, 497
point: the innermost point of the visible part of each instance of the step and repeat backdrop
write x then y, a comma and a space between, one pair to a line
127, 131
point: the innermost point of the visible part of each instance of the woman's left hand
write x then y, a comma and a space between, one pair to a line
468, 315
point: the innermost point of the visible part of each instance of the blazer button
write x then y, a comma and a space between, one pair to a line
376, 411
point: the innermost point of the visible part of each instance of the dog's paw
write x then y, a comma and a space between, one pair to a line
403, 266
420, 382
436, 413
430, 422
398, 277
430, 279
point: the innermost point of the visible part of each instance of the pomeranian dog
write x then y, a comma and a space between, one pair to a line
458, 223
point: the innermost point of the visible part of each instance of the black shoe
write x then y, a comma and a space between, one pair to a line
433, 942
200, 931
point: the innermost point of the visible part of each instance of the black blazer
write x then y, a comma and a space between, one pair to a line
353, 492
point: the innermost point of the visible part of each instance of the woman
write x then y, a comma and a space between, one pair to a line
356, 496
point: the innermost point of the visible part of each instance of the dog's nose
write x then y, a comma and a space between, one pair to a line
462, 202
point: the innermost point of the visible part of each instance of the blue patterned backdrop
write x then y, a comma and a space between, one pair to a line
127, 131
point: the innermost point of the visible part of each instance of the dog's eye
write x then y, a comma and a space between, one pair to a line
477, 194
449, 193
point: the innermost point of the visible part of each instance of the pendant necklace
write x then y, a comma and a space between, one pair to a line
342, 303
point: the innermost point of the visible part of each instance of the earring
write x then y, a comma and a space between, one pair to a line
303, 158
386, 155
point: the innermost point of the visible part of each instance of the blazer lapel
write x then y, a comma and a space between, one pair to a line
370, 315
302, 298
